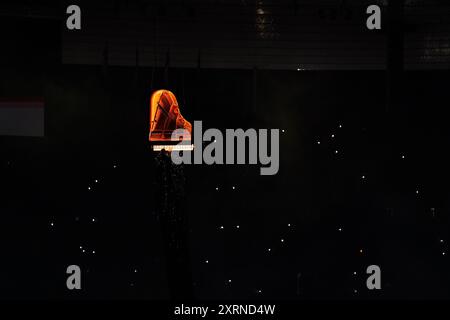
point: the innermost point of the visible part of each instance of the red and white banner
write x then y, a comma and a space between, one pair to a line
22, 117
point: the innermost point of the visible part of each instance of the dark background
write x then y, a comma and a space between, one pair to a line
318, 203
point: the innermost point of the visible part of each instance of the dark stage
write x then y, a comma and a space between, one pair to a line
364, 156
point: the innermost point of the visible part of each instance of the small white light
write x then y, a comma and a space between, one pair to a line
442, 241
336, 151
229, 281
363, 177
237, 227
84, 251
93, 251
354, 273
217, 188
221, 227
207, 261
93, 219
355, 291
340, 126
318, 142
259, 291
51, 223
443, 253
282, 130
269, 249
135, 270
234, 187
282, 240
332, 135
289, 224
340, 229
403, 157
89, 188
96, 181
215, 140
81, 247
417, 191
